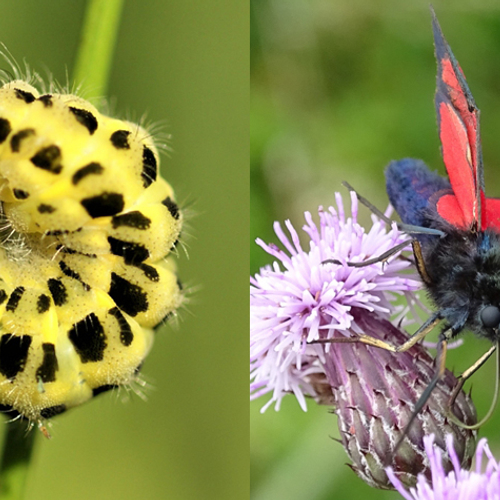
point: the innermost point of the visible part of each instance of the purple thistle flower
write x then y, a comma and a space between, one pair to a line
303, 299
300, 299
457, 484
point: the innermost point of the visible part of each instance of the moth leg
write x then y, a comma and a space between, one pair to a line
420, 263
424, 330
442, 348
463, 378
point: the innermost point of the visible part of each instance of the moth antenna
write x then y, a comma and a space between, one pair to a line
407, 228
367, 204
380, 258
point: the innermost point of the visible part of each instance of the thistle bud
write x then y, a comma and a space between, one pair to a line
374, 393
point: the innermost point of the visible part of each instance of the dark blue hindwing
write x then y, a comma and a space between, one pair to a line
412, 190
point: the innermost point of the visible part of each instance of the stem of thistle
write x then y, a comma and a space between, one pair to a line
16, 457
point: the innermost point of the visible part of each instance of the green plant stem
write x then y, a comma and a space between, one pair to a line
16, 455
95, 53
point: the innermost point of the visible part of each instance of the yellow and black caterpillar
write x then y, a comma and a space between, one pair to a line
86, 228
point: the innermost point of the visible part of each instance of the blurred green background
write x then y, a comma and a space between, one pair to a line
186, 65
339, 89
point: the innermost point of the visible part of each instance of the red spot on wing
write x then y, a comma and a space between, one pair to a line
456, 156
459, 102
491, 210
449, 209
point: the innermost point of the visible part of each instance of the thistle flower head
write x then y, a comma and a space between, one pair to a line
456, 483
300, 299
